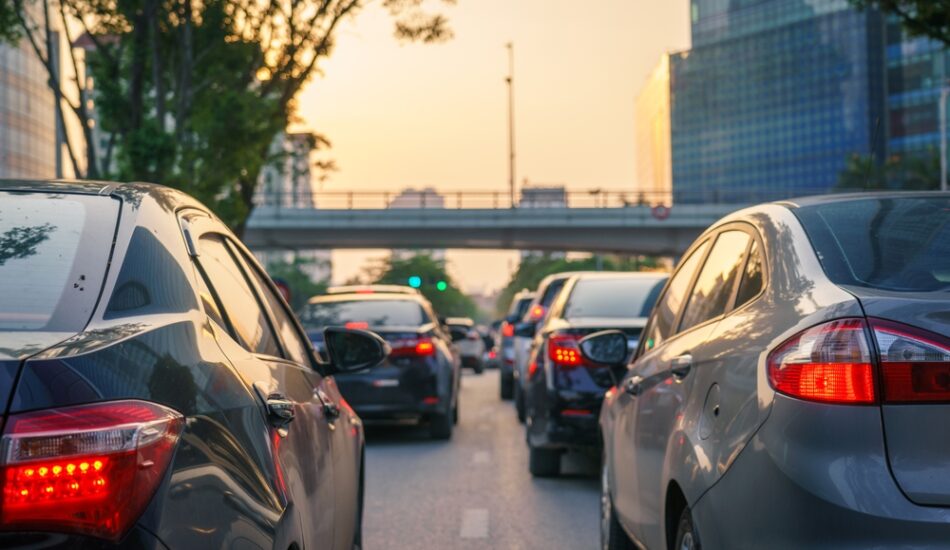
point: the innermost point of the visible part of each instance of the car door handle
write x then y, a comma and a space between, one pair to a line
680, 366
331, 411
280, 409
633, 386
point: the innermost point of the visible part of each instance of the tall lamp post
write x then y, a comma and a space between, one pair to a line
511, 122
944, 92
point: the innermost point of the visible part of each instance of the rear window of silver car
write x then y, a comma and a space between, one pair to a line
374, 313
625, 297
897, 244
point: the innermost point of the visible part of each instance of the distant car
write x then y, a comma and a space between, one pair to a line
158, 392
527, 328
563, 392
506, 341
791, 387
470, 344
420, 378
369, 289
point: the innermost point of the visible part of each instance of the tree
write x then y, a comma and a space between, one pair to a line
447, 299
302, 287
191, 94
929, 18
535, 268
920, 172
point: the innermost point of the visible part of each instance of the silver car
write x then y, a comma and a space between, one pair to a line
470, 345
793, 385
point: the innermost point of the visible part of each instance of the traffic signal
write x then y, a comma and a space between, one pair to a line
415, 281
441, 286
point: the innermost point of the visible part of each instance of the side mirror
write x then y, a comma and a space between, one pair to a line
351, 350
608, 347
526, 330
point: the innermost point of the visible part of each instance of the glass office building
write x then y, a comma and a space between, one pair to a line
654, 165
773, 98
27, 116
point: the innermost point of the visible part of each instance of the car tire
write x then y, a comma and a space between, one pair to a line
544, 462
455, 414
519, 404
478, 368
612, 535
687, 537
507, 387
440, 426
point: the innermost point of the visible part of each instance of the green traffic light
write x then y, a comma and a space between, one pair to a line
415, 281
441, 286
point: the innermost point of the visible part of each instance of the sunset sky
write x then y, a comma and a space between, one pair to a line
403, 115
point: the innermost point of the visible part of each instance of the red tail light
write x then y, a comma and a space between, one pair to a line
915, 363
88, 470
536, 313
507, 330
412, 347
563, 350
829, 363
361, 325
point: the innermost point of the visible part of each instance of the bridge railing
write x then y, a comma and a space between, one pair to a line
528, 198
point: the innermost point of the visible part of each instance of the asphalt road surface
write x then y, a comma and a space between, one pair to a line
475, 490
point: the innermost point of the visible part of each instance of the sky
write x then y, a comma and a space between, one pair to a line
413, 115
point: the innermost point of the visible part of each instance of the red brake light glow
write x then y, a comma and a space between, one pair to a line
915, 363
361, 325
89, 470
536, 313
412, 347
829, 363
507, 330
563, 350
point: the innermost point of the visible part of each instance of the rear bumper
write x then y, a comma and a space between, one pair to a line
471, 361
570, 432
399, 392
813, 477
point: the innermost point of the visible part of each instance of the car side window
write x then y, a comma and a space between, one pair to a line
240, 305
297, 350
209, 304
752, 277
669, 305
713, 288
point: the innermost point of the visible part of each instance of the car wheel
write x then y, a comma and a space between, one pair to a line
687, 538
440, 426
519, 404
612, 535
507, 387
544, 462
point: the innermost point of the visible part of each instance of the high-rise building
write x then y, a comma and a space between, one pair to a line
773, 98
27, 115
654, 162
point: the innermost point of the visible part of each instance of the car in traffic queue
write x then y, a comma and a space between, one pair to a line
527, 329
563, 391
506, 341
419, 380
471, 346
158, 392
791, 384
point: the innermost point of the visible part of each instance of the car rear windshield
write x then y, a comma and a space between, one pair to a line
899, 244
616, 298
374, 313
54, 250
521, 307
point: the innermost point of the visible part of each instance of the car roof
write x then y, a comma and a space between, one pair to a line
374, 297
465, 321
369, 289
863, 195
622, 275
131, 192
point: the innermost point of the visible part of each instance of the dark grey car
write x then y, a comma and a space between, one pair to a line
793, 385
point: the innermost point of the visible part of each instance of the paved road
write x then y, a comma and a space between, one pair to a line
475, 490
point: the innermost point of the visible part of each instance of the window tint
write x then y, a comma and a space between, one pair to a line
240, 305
623, 297
669, 306
375, 313
208, 303
713, 288
898, 244
751, 283
296, 349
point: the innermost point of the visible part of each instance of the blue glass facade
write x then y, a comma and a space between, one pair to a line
774, 97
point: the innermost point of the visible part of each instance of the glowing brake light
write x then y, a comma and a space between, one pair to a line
915, 363
829, 363
412, 347
361, 325
563, 350
507, 330
88, 470
536, 313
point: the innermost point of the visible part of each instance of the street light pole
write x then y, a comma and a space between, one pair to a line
511, 122
944, 92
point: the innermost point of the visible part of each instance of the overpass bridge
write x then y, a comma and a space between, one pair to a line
592, 221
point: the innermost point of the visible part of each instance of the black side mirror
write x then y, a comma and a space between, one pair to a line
526, 330
351, 350
607, 347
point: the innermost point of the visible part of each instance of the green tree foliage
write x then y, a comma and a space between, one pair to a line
908, 172
191, 94
929, 18
533, 269
302, 288
450, 302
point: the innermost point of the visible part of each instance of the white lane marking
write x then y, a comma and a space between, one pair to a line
474, 524
481, 457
